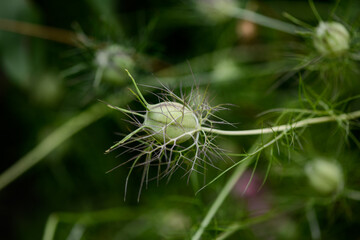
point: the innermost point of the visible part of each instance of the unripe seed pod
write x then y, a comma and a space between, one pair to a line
324, 176
171, 121
331, 38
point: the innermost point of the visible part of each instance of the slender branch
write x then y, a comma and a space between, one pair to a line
313, 8
261, 20
246, 162
247, 223
220, 199
285, 127
352, 194
51, 142
50, 227
125, 139
35, 30
313, 222
141, 97
240, 169
55, 139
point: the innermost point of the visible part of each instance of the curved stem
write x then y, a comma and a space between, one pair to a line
286, 127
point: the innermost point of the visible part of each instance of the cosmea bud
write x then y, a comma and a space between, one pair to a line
324, 176
171, 121
331, 38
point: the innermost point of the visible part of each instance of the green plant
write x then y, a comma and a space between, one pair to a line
282, 158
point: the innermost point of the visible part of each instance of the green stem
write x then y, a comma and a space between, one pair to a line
221, 197
313, 222
85, 218
51, 142
250, 222
313, 8
261, 20
239, 170
286, 127
352, 194
54, 140
125, 139
142, 99
50, 227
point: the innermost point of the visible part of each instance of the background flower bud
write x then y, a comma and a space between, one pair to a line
331, 38
170, 120
113, 60
215, 10
324, 176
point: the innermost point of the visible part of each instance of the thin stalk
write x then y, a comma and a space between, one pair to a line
54, 140
352, 194
125, 139
141, 97
313, 8
241, 225
51, 142
248, 160
313, 222
221, 197
239, 170
262, 20
84, 218
50, 227
286, 127
35, 30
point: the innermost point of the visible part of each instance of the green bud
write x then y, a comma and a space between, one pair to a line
324, 176
112, 60
170, 121
48, 90
226, 70
215, 10
331, 38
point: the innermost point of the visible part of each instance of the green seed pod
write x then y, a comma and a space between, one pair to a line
324, 176
331, 38
171, 121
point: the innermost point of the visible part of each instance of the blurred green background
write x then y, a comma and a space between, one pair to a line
53, 73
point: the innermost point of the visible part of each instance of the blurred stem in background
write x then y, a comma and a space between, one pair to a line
245, 14
39, 31
85, 219
56, 138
